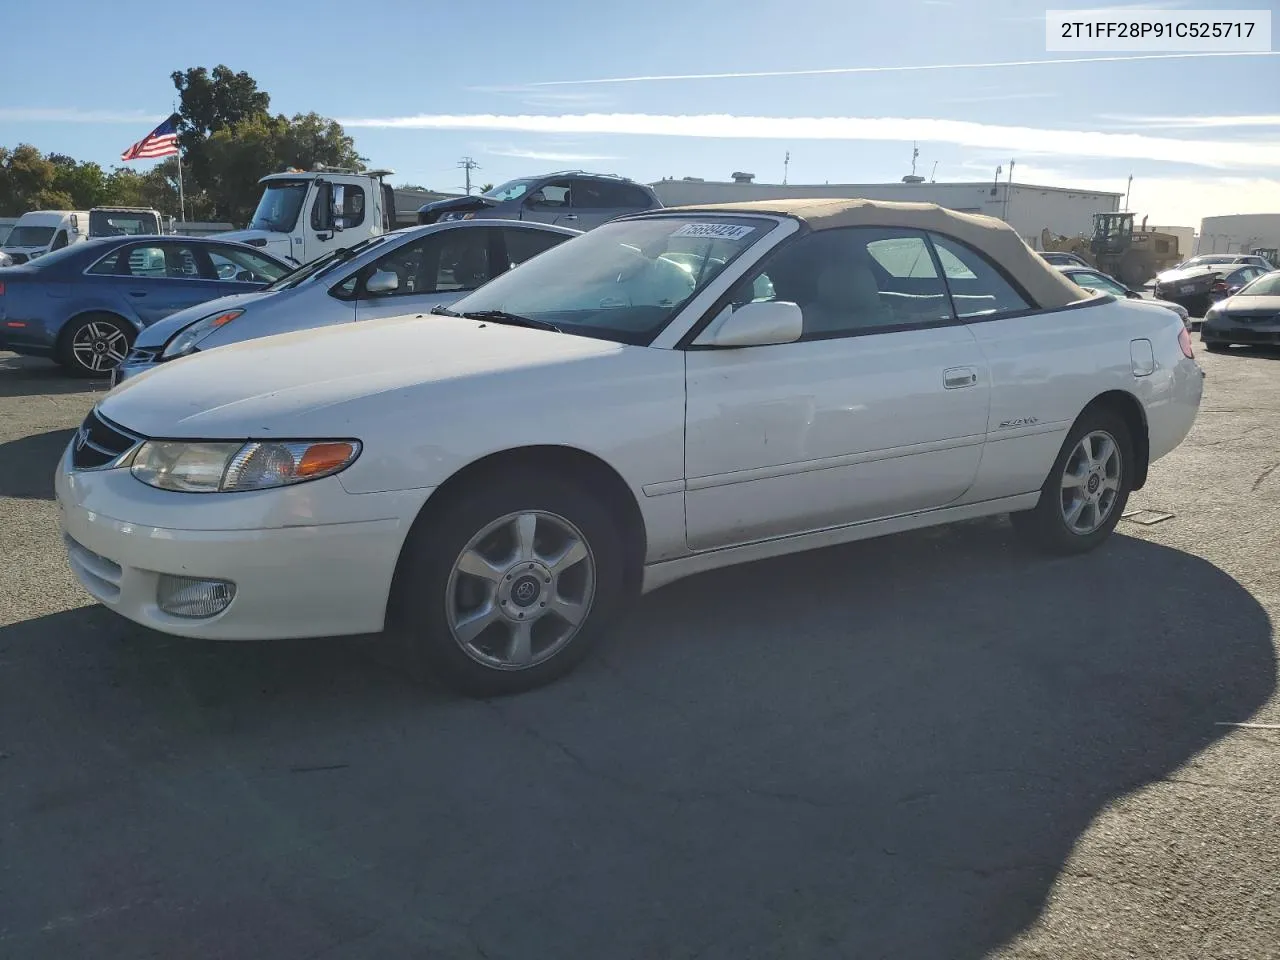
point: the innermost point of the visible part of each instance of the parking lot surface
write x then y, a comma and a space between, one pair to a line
937, 745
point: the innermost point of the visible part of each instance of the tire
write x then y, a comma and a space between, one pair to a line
93, 345
437, 592
1046, 526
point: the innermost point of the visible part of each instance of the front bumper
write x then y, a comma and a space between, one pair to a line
307, 561
1227, 330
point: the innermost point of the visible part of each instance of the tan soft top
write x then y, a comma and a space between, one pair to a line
992, 237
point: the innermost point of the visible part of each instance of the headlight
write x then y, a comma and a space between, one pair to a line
185, 342
207, 467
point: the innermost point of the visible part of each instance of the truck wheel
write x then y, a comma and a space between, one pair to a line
94, 344
507, 588
1087, 489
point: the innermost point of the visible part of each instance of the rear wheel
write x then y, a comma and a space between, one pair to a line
93, 345
505, 588
1087, 489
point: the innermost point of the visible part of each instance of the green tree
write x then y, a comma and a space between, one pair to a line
209, 102
84, 183
486, 187
26, 179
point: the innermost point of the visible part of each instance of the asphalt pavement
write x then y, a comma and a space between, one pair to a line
936, 745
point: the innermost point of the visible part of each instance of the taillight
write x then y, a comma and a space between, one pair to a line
1184, 341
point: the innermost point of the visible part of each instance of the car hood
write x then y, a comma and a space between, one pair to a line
1192, 273
458, 203
160, 332
331, 379
1250, 306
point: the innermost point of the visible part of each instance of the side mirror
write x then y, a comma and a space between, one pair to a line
382, 282
324, 206
755, 325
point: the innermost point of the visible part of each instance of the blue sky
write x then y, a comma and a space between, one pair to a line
421, 84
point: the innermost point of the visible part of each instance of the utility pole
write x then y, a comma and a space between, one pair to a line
1126, 193
786, 164
467, 164
915, 152
1008, 187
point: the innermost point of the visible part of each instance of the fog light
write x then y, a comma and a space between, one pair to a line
192, 597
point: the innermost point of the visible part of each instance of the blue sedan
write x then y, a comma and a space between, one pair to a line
83, 305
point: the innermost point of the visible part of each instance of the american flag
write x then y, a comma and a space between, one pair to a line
160, 142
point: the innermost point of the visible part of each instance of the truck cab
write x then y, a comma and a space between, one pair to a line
128, 222
38, 232
304, 214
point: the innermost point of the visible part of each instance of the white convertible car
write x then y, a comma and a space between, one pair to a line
669, 393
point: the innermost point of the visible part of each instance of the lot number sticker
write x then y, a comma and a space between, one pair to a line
714, 231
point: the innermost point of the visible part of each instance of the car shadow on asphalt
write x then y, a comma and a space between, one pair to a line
882, 749
32, 377
28, 463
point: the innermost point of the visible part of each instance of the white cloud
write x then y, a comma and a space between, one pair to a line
1027, 140
1190, 123
549, 156
73, 115
907, 68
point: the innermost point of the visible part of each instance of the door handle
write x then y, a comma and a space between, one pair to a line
954, 378
570, 216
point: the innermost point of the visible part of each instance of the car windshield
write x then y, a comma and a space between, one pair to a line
105, 223
29, 237
623, 281
1268, 285
278, 209
321, 266
1204, 261
510, 190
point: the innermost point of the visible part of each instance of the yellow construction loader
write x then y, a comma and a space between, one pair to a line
1131, 256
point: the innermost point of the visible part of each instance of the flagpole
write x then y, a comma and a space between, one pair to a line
182, 202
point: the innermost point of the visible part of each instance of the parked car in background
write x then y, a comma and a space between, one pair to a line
84, 305
1197, 287
5, 259
1222, 259
1059, 258
406, 271
128, 222
39, 232
1092, 279
492, 483
569, 198
1249, 316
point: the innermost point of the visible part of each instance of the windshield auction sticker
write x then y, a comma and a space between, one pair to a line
1134, 30
714, 231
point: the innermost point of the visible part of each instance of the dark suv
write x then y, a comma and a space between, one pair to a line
570, 198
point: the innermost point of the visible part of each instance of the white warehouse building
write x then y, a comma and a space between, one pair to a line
1239, 233
1028, 208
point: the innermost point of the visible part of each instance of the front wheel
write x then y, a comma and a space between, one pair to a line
1086, 491
505, 589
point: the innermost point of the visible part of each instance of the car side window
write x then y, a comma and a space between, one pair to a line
523, 244
59, 241
552, 195
604, 193
854, 280
174, 261
230, 263
437, 263
348, 207
978, 289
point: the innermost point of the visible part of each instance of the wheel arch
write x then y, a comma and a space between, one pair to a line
588, 469
1126, 406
